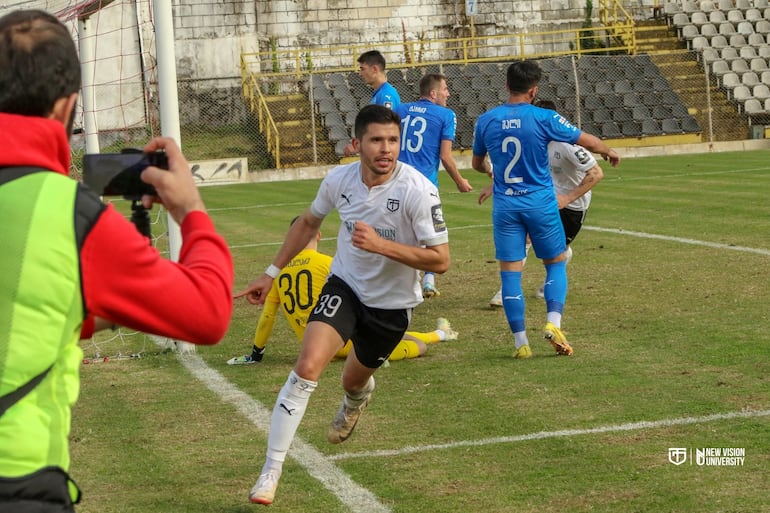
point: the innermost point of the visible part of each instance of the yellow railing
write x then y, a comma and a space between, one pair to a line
254, 98
462, 50
618, 23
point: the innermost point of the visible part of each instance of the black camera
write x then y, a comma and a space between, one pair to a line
118, 174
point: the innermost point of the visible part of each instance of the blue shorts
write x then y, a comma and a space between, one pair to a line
544, 226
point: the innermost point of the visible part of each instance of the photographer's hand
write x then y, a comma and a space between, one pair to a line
176, 187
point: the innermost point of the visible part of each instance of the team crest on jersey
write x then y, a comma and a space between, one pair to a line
438, 218
388, 105
393, 204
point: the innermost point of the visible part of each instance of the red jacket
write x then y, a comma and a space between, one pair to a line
124, 280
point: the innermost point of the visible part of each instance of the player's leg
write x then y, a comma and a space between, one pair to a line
330, 324
377, 334
548, 240
510, 250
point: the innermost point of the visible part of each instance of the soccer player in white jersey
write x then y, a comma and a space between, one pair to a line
515, 135
574, 172
391, 226
427, 132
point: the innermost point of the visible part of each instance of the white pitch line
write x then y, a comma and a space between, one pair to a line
318, 465
631, 426
681, 240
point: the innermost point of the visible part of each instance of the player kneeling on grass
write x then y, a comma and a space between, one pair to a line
296, 290
391, 226
72, 265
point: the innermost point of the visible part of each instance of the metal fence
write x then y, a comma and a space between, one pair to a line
643, 100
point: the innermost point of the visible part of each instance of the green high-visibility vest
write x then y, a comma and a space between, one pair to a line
41, 314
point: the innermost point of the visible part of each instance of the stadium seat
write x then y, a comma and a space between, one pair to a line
339, 133
699, 43
622, 115
604, 87
699, 18
661, 112
349, 105
753, 15
490, 69
719, 41
641, 112
670, 126
761, 92
341, 92
480, 82
738, 41
763, 27
631, 129
339, 148
321, 93
739, 66
735, 16
678, 21
747, 52
689, 6
750, 78
333, 118
743, 5
726, 29
413, 75
729, 54
623, 86
761, 4
764, 77
745, 28
634, 99
758, 64
601, 116
707, 6
611, 130
707, 30
709, 55
471, 70
716, 17
753, 106
741, 94
689, 124
756, 40
725, 5
651, 127
730, 81
327, 106
719, 68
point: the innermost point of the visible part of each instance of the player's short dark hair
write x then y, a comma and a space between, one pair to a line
38, 63
523, 75
374, 114
545, 104
372, 58
429, 82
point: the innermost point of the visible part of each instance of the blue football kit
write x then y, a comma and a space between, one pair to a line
386, 95
424, 125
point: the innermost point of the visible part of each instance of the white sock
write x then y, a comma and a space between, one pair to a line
520, 339
287, 414
428, 278
554, 318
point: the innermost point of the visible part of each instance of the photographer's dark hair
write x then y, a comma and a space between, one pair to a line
372, 58
38, 63
522, 76
374, 114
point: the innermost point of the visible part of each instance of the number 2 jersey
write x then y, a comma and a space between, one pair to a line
405, 209
516, 137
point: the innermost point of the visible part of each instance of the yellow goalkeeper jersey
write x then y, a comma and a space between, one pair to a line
295, 289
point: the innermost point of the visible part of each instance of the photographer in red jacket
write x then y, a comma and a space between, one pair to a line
72, 265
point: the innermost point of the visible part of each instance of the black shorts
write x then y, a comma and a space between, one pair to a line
374, 332
572, 220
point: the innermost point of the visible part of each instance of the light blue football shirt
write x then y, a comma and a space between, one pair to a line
424, 125
516, 137
386, 95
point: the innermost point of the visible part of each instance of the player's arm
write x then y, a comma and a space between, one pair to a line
299, 234
448, 160
592, 177
596, 145
429, 258
481, 164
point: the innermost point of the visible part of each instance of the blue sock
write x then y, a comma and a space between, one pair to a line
555, 290
513, 300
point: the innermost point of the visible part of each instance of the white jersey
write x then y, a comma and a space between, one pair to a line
406, 209
569, 164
